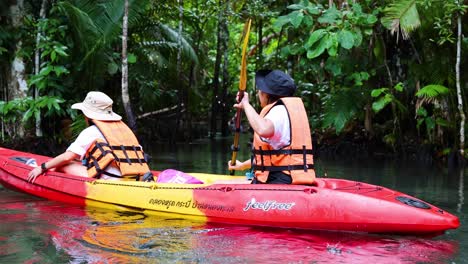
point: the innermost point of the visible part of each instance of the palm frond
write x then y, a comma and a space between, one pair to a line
401, 16
164, 39
432, 91
173, 35
97, 25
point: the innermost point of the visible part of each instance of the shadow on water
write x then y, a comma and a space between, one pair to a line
38, 231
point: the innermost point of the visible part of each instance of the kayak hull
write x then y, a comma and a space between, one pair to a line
331, 204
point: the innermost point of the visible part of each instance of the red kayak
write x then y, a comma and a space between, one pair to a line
330, 204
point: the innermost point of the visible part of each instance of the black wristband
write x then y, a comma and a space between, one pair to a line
43, 167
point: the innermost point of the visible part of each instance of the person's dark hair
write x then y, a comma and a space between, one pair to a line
273, 98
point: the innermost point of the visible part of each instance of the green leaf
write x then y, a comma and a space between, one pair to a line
346, 39
296, 18
35, 79
329, 16
313, 9
313, 53
45, 71
399, 87
381, 103
378, 92
371, 19
28, 115
53, 56
357, 37
421, 112
314, 37
308, 21
280, 22
296, 7
131, 58
59, 70
332, 45
61, 51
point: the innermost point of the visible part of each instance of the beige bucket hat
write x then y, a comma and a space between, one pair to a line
97, 106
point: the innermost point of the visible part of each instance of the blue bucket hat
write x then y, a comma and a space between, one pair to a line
275, 82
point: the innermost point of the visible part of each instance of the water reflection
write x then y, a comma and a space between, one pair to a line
48, 232
461, 194
37, 231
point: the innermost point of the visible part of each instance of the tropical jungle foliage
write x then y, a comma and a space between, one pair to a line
392, 72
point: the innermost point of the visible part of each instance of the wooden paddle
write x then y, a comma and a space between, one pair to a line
242, 87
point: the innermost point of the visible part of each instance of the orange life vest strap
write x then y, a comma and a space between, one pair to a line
102, 154
112, 149
270, 152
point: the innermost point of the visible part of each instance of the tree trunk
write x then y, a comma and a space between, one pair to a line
225, 107
125, 94
459, 92
181, 122
260, 45
37, 63
17, 84
215, 102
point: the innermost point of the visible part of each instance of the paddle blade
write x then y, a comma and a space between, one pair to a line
243, 73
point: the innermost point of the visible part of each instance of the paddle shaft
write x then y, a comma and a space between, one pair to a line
242, 87
235, 146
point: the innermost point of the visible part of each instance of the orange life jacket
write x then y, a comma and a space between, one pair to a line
296, 159
121, 149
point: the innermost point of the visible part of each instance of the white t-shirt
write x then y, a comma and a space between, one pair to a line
82, 143
282, 136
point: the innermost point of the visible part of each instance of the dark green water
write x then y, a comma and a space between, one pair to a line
38, 231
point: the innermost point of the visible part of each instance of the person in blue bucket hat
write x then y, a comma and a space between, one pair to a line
282, 145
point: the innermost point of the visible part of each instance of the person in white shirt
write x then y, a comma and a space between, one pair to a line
97, 106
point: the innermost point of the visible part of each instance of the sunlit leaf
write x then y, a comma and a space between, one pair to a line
378, 92
131, 58
432, 91
399, 87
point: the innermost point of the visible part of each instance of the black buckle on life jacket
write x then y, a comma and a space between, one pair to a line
283, 168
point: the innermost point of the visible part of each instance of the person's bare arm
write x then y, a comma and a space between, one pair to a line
262, 126
240, 165
58, 161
